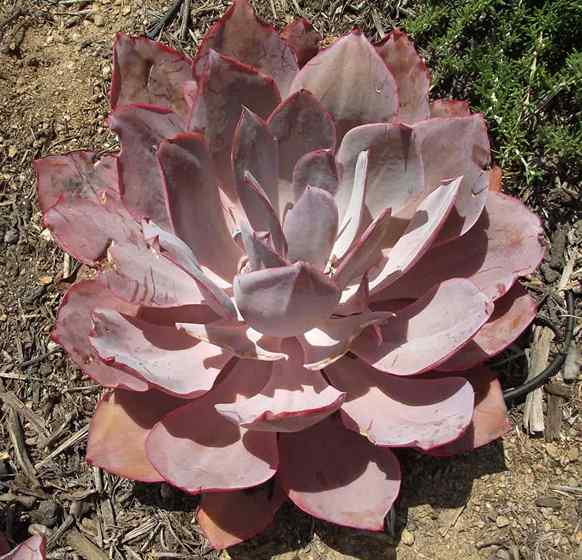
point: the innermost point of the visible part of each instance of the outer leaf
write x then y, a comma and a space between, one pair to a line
225, 458
396, 412
316, 169
141, 128
429, 331
352, 83
241, 35
292, 400
503, 245
194, 203
513, 313
78, 173
74, 327
303, 39
148, 72
32, 548
411, 75
229, 518
285, 301
165, 357
336, 475
119, 429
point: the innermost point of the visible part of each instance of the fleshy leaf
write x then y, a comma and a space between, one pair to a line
78, 173
352, 83
512, 314
226, 458
303, 39
119, 428
339, 476
316, 169
285, 301
300, 125
311, 227
240, 35
427, 332
148, 72
396, 412
228, 518
292, 400
165, 357
194, 203
259, 251
410, 73
32, 548
74, 325
141, 128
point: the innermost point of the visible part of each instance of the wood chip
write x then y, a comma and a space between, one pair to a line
17, 438
84, 547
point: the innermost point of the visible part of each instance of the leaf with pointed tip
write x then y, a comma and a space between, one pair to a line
489, 421
338, 476
285, 301
503, 245
311, 227
240, 35
196, 211
303, 39
74, 327
148, 72
141, 128
292, 400
32, 548
224, 87
395, 412
512, 314
259, 252
331, 339
352, 83
225, 458
164, 357
237, 338
449, 108
316, 169
429, 331
300, 125
119, 428
229, 518
454, 147
85, 225
411, 75
77, 173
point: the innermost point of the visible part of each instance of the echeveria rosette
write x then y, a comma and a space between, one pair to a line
300, 265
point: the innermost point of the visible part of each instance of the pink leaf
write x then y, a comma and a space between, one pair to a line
411, 75
303, 39
512, 314
225, 458
338, 476
502, 246
352, 83
396, 412
285, 301
79, 173
292, 400
74, 326
311, 227
148, 72
32, 548
240, 35
228, 518
490, 420
141, 128
119, 429
150, 351
300, 125
316, 169
194, 203
429, 331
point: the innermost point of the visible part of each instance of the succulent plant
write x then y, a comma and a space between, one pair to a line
300, 264
32, 548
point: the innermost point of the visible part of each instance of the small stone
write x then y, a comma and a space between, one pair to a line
407, 537
573, 454
126, 11
553, 451
11, 236
98, 20
502, 521
45, 280
549, 502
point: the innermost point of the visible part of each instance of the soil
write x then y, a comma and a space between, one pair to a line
516, 499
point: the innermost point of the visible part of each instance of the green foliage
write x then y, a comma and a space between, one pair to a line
520, 63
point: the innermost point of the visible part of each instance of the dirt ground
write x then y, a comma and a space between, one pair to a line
520, 499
